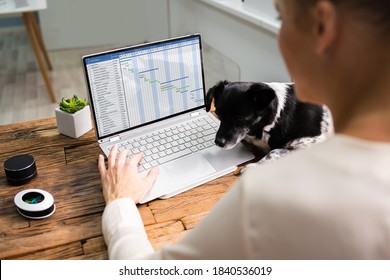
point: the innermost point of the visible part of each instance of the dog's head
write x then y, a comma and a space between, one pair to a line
239, 106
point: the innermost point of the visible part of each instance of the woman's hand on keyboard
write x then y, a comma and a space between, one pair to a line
121, 178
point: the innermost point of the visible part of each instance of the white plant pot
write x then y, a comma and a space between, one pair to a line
74, 125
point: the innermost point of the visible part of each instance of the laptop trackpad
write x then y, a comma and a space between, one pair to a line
189, 169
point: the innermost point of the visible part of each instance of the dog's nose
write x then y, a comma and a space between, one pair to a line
221, 142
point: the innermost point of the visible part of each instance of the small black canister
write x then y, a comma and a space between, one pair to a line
20, 169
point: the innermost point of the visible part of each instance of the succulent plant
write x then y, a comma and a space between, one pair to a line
72, 105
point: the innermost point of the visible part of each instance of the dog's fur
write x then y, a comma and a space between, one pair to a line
267, 115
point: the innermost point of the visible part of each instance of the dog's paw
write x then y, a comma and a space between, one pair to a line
304, 142
249, 166
270, 157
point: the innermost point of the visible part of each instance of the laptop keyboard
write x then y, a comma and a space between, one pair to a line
171, 143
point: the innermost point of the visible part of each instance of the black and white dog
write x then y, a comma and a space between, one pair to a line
268, 116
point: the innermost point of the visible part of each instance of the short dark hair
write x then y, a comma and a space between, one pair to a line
376, 12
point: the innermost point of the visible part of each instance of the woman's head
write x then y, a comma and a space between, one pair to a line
332, 48
374, 12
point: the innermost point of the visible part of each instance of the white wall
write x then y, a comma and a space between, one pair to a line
243, 44
85, 23
252, 47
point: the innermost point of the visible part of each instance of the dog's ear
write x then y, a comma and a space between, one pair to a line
215, 91
262, 95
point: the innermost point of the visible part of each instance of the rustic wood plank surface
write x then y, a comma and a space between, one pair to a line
67, 168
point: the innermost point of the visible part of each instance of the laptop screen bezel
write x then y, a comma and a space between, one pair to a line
149, 44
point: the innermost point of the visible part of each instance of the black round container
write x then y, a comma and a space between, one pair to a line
20, 169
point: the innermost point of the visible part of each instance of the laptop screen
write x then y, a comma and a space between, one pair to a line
131, 87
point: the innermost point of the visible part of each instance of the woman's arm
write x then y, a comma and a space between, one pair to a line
220, 235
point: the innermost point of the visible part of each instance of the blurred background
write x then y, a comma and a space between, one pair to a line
239, 43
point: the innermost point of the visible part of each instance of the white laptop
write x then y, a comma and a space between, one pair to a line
150, 98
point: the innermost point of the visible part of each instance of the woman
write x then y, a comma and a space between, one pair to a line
333, 200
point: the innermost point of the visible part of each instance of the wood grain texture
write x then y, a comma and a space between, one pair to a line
66, 251
94, 246
67, 168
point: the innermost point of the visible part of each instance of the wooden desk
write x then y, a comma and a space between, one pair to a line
67, 168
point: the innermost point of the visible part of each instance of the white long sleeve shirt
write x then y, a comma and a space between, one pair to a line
331, 201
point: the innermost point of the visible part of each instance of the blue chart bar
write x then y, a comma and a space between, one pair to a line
182, 71
150, 70
153, 85
196, 89
168, 76
141, 108
186, 77
195, 62
162, 81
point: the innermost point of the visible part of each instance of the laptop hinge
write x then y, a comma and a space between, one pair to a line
115, 138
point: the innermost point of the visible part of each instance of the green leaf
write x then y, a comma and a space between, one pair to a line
72, 105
